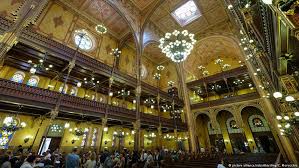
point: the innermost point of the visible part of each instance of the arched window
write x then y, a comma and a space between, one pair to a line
18, 77
84, 40
211, 130
258, 123
232, 126
33, 81
74, 91
93, 97
61, 87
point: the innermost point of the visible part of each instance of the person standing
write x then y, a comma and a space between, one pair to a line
91, 161
29, 162
72, 159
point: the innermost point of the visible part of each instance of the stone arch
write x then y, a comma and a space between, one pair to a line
131, 18
256, 105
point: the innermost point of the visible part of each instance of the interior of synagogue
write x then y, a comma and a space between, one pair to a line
149, 83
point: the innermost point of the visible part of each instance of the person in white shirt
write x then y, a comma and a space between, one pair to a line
221, 164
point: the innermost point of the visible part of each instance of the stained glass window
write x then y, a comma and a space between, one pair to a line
257, 122
5, 137
33, 81
83, 39
74, 91
18, 77
61, 87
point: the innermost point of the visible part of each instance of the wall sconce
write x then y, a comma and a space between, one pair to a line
250, 141
226, 141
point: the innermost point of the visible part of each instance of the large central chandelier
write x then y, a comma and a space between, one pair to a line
177, 45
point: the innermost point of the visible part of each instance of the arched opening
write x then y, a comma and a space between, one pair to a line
258, 131
18, 77
233, 138
203, 128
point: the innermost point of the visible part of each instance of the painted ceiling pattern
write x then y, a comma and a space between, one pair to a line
214, 19
103, 13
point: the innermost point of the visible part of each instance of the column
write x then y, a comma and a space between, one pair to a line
283, 142
189, 115
137, 123
159, 137
26, 14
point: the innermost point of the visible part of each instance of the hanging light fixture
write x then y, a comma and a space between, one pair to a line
277, 95
177, 45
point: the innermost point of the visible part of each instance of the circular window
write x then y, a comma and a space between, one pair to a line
84, 40
143, 72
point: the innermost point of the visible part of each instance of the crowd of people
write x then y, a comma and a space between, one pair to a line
104, 159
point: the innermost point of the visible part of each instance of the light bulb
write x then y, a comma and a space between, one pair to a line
296, 114
286, 117
105, 129
277, 95
23, 124
79, 84
279, 126
268, 2
287, 125
111, 94
278, 117
66, 125
32, 70
290, 98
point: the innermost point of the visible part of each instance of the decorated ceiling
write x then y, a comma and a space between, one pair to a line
152, 17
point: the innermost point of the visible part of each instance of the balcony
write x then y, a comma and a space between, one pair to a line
12, 93
228, 100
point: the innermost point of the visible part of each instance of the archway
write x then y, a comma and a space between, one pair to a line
234, 140
203, 131
258, 128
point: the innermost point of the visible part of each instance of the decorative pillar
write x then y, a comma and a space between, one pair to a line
26, 14
244, 127
159, 137
283, 142
101, 133
137, 139
189, 115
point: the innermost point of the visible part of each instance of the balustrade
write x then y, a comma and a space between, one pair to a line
42, 97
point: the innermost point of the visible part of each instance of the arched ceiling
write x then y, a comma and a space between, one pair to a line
101, 12
153, 52
208, 49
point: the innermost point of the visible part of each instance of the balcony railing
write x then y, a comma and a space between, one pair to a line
41, 98
228, 100
32, 38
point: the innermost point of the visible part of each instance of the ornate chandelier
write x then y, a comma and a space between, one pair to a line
177, 45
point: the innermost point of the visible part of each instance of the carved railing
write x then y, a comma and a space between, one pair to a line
45, 99
32, 38
219, 76
229, 100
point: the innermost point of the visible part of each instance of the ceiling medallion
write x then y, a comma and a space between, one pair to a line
177, 45
101, 29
